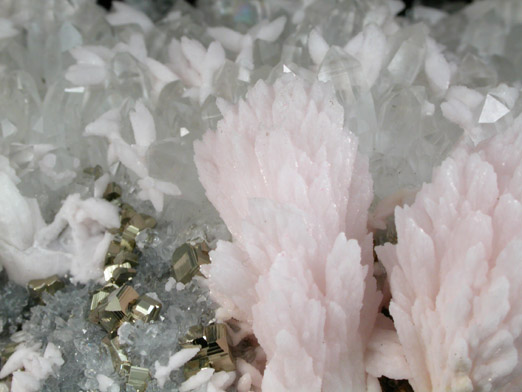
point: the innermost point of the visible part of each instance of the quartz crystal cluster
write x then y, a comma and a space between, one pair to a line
328, 196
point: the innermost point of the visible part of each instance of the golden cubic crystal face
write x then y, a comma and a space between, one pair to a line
187, 259
126, 213
146, 309
218, 350
126, 257
114, 249
136, 223
192, 367
138, 378
119, 273
50, 285
215, 351
114, 309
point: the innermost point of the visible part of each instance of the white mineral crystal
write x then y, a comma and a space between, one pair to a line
133, 156
200, 379
175, 362
75, 242
196, 65
106, 384
30, 366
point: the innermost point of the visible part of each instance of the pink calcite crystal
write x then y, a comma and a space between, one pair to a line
287, 180
456, 276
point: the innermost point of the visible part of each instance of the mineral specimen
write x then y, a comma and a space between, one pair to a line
95, 104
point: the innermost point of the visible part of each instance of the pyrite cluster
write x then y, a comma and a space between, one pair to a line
214, 353
212, 339
117, 302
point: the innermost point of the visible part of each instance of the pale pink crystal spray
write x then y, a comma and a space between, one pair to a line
287, 180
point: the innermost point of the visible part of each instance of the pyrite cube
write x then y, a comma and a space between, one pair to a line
191, 338
136, 223
115, 308
126, 257
193, 366
114, 249
119, 273
50, 285
146, 309
186, 261
218, 350
138, 378
126, 213
215, 351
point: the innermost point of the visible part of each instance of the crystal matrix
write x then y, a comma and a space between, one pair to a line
91, 98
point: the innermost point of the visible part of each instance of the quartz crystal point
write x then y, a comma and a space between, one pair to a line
455, 272
287, 180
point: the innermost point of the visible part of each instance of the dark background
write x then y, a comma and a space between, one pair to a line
409, 3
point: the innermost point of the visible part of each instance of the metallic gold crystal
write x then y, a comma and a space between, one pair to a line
126, 257
112, 192
138, 378
192, 367
218, 350
190, 339
50, 285
202, 250
146, 309
126, 213
114, 249
119, 273
187, 259
98, 296
136, 223
113, 310
128, 237
215, 351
